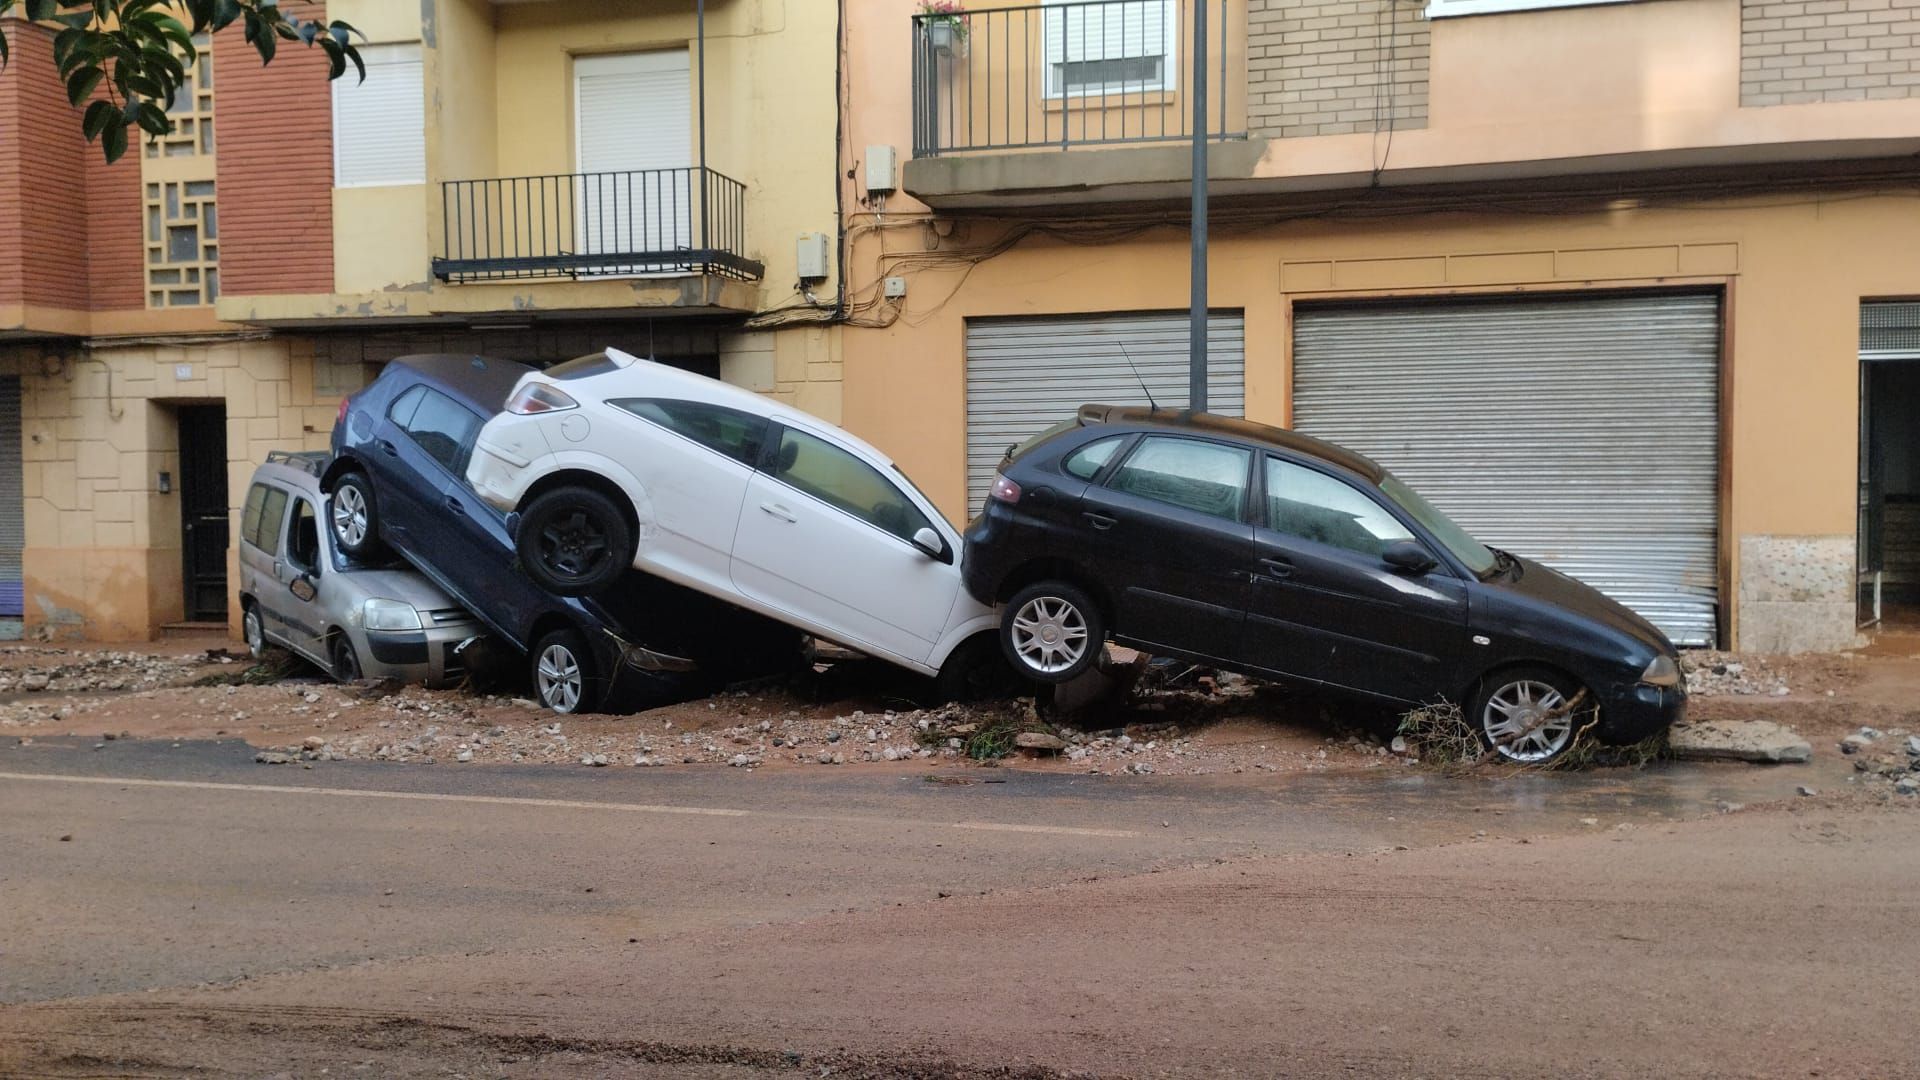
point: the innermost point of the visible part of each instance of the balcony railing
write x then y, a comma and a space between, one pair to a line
1084, 73
606, 224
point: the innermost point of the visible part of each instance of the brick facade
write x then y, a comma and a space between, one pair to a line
1334, 67
1828, 50
275, 127
40, 205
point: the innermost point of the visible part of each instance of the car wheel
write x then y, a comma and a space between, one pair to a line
346, 663
353, 517
255, 631
1529, 715
976, 671
563, 676
574, 541
1052, 631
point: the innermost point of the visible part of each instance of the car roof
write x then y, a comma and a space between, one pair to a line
288, 476
481, 383
1244, 431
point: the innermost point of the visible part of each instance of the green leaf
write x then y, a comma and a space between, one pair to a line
3, 47
151, 120
81, 85
99, 115
114, 141
224, 14
41, 9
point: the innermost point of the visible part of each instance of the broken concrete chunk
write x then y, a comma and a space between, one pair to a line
1037, 740
1729, 740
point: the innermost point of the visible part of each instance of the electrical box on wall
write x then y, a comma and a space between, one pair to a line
880, 169
893, 288
812, 256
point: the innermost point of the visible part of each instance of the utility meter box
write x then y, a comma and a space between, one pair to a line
812, 256
880, 169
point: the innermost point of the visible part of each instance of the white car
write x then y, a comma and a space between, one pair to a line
611, 461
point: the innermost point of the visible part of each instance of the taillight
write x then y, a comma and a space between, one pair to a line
536, 397
1005, 490
341, 416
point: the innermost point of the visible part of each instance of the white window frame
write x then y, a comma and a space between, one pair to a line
1169, 56
1446, 9
377, 57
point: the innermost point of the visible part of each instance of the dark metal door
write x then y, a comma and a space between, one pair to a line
203, 510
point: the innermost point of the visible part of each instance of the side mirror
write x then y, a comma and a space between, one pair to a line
1409, 556
929, 541
302, 589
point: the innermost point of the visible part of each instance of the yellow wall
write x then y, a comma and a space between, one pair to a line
378, 239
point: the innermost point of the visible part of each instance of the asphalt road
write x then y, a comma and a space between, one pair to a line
209, 916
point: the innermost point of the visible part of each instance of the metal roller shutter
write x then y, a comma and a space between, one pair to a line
1025, 374
13, 521
1580, 432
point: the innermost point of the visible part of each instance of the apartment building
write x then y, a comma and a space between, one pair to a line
530, 179
1627, 286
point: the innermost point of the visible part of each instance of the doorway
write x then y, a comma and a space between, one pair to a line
203, 510
1889, 505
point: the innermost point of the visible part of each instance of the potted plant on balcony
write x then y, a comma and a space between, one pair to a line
946, 23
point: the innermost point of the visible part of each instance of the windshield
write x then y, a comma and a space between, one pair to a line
1473, 553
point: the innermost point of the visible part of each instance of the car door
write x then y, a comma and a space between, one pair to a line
1323, 605
694, 460
405, 474
826, 537
262, 524
299, 548
468, 544
1166, 530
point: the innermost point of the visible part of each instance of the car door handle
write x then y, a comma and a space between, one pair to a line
780, 512
1278, 567
453, 505
1100, 521
388, 448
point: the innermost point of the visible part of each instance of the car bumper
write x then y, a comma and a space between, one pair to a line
495, 478
432, 657
1639, 711
980, 569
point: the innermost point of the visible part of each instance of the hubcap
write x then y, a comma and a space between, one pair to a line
1527, 721
573, 545
559, 678
350, 516
1049, 634
256, 637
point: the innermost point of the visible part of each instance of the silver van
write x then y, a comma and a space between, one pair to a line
354, 619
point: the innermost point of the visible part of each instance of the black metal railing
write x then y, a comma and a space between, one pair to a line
1084, 73
583, 225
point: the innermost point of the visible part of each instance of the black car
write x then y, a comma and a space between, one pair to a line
1260, 550
398, 481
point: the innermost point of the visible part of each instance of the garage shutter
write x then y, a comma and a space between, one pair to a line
13, 522
1026, 374
1580, 432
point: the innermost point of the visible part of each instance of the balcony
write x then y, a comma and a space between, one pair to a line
580, 226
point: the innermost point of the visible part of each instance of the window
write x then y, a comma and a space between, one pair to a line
441, 426
250, 517
1204, 477
839, 479
379, 126
273, 519
303, 547
1110, 46
403, 407
1087, 461
729, 431
1314, 506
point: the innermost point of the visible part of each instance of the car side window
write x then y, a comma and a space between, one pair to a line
736, 434
404, 406
838, 478
442, 427
250, 517
273, 519
1311, 505
1087, 461
303, 545
1205, 477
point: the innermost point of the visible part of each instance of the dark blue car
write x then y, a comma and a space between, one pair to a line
397, 481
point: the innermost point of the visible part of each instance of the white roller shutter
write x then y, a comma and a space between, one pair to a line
1025, 374
1580, 432
633, 115
379, 133
13, 520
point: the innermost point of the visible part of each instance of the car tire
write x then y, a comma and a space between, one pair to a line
562, 672
354, 517
346, 662
253, 630
1052, 632
574, 541
1529, 715
976, 671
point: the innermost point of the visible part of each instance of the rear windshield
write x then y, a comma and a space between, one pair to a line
1020, 450
583, 367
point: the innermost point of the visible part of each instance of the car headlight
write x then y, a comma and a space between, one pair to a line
1662, 672
378, 614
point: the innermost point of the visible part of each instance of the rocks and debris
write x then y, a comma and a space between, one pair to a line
1731, 740
273, 757
38, 669
1711, 673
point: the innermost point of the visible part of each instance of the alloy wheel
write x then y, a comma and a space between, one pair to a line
560, 679
350, 515
256, 633
573, 545
1049, 634
1527, 721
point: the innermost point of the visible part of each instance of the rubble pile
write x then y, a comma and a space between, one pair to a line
1885, 757
1710, 674
38, 669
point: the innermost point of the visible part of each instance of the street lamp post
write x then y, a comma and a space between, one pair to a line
1197, 314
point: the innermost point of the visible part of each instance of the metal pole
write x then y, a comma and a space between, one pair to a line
1197, 332
700, 32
